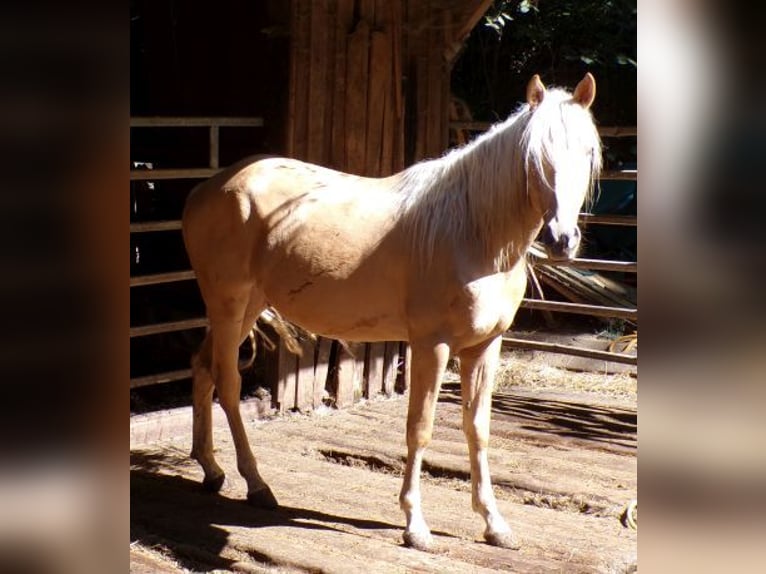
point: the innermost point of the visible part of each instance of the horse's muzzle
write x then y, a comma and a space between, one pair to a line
561, 246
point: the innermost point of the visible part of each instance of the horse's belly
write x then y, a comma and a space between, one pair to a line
363, 304
348, 316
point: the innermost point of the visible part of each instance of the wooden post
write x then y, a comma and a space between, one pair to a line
348, 376
403, 377
287, 371
321, 369
373, 379
390, 367
304, 394
214, 145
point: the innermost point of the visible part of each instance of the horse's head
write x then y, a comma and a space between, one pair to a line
563, 158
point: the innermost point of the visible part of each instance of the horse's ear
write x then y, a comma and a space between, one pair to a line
535, 91
585, 92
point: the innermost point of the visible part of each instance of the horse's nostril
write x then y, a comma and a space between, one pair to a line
547, 237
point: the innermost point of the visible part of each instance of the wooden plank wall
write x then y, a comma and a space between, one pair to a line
359, 68
346, 111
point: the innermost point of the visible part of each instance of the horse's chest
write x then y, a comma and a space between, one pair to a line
487, 306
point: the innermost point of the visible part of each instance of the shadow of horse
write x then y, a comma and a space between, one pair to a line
175, 512
601, 425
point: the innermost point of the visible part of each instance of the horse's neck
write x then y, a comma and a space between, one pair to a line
500, 214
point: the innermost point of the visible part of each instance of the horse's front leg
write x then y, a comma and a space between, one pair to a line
478, 366
427, 369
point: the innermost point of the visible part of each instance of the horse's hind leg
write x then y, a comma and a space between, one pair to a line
428, 364
202, 407
230, 322
477, 374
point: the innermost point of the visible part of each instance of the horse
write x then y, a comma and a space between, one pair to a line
433, 255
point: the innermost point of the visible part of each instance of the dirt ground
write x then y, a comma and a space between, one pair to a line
563, 460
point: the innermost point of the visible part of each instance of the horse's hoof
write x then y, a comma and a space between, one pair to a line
263, 498
214, 484
418, 540
502, 539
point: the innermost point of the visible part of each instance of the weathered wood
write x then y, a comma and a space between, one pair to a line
569, 350
349, 375
593, 287
373, 383
357, 60
193, 122
168, 327
214, 138
592, 264
367, 10
435, 145
417, 40
317, 98
331, 55
390, 367
403, 376
301, 63
151, 226
600, 219
322, 367
379, 85
287, 371
157, 278
304, 393
463, 21
344, 23
603, 131
178, 173
157, 378
398, 41
595, 310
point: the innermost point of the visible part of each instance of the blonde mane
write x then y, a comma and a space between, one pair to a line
479, 192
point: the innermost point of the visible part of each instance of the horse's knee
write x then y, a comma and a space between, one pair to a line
228, 393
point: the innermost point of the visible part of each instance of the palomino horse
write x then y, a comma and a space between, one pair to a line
433, 255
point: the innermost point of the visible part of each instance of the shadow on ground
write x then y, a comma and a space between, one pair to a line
600, 425
193, 525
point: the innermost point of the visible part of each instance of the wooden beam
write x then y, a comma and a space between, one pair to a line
463, 21
569, 350
157, 278
603, 131
578, 308
599, 219
168, 327
192, 122
149, 226
178, 173
593, 264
